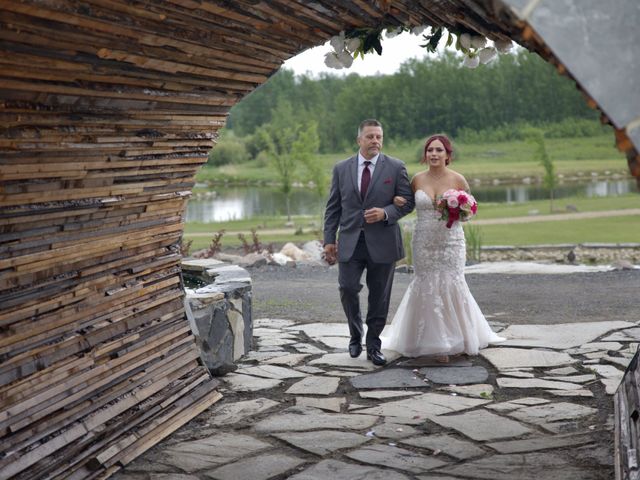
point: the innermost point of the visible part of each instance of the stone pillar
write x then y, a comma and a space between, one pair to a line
219, 312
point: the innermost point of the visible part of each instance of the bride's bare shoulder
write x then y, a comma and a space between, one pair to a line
460, 181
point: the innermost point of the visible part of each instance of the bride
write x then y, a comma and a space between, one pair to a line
437, 315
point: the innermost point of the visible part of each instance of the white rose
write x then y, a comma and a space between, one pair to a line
418, 30
465, 40
392, 32
478, 41
487, 54
345, 59
503, 45
331, 60
337, 42
353, 44
471, 62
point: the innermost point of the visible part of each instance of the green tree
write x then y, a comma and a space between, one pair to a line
290, 143
540, 154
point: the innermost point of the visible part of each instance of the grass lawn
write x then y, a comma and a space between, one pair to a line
596, 230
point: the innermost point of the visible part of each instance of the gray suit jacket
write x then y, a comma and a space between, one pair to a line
344, 215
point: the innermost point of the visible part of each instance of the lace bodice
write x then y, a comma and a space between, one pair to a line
436, 248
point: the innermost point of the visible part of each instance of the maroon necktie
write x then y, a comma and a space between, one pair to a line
366, 178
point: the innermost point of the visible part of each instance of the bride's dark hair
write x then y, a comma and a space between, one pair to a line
445, 142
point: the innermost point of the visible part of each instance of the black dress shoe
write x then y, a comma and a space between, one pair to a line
355, 349
376, 357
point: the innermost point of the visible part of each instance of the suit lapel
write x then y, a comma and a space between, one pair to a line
353, 172
377, 173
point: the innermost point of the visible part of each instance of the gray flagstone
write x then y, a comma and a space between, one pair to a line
211, 451
505, 357
331, 404
421, 407
260, 467
336, 470
506, 382
480, 390
381, 394
248, 383
271, 371
388, 378
297, 419
231, 413
528, 466
482, 425
393, 431
289, 360
571, 393
455, 375
323, 442
552, 412
541, 443
314, 386
394, 457
561, 335
446, 444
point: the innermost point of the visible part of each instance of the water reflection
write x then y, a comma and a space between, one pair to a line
238, 203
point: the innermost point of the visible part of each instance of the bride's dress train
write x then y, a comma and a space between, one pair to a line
437, 315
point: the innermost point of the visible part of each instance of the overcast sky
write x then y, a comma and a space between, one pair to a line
394, 52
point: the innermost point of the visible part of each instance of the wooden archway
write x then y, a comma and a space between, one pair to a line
107, 110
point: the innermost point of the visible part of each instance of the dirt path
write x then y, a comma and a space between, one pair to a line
556, 217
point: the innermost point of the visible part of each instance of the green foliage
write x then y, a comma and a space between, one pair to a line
425, 96
228, 150
549, 179
473, 236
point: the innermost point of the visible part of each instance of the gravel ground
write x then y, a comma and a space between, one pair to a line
310, 294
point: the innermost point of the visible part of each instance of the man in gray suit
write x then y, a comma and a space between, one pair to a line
361, 213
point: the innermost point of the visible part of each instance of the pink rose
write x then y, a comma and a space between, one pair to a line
462, 198
452, 202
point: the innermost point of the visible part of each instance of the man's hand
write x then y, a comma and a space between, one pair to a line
374, 215
331, 253
399, 201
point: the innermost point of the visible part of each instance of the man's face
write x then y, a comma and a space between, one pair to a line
370, 141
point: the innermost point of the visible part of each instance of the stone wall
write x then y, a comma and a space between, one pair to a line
585, 253
219, 312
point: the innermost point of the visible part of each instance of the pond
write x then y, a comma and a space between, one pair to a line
239, 203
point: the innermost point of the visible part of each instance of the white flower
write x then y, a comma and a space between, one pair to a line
471, 62
393, 32
345, 59
465, 41
418, 30
352, 44
503, 45
487, 54
478, 41
331, 60
337, 42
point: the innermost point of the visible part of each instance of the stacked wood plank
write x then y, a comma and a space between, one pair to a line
107, 109
627, 419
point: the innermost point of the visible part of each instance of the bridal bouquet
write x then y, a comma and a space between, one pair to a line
456, 205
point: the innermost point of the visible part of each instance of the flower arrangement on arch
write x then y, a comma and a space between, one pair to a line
357, 42
456, 206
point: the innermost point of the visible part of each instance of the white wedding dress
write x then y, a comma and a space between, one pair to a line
437, 315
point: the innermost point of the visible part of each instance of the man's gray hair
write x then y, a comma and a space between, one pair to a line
370, 122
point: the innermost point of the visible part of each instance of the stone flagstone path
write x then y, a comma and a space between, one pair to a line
537, 407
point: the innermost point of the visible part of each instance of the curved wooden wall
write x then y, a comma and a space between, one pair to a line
107, 110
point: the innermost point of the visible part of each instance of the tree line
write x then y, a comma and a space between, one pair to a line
424, 96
